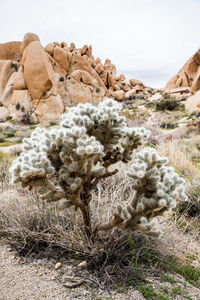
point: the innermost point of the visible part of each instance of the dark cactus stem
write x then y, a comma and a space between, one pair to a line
85, 210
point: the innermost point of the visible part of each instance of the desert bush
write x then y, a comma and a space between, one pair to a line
67, 163
168, 104
30, 226
167, 125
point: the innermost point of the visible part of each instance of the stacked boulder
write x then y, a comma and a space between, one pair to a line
188, 76
38, 84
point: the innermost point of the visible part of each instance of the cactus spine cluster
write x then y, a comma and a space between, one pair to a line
68, 162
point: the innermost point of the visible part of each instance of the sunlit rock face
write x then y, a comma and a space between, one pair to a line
188, 76
39, 83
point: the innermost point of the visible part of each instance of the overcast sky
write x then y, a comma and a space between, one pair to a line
148, 40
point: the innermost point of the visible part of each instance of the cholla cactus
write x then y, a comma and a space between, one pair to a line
68, 162
156, 186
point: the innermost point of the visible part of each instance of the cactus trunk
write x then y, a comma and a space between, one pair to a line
85, 210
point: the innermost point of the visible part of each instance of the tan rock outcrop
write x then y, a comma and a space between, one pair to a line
20, 106
126, 87
6, 70
46, 81
6, 96
116, 87
180, 90
130, 94
72, 47
89, 51
4, 114
10, 50
85, 77
78, 92
19, 81
84, 49
119, 95
188, 76
38, 73
99, 68
134, 82
48, 110
50, 48
81, 63
28, 39
62, 57
192, 104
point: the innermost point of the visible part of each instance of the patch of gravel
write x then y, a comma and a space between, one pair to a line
27, 281
39, 280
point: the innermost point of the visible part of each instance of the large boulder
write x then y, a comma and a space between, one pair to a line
119, 95
10, 50
81, 63
48, 110
85, 77
62, 57
7, 68
28, 39
134, 82
19, 81
4, 114
20, 106
38, 72
79, 92
6, 96
192, 104
188, 76
50, 48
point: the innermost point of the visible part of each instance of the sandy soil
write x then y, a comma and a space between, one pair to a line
39, 280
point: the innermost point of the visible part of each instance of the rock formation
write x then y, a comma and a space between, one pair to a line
188, 76
38, 84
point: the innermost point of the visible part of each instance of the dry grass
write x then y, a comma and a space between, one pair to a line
5, 162
186, 216
179, 157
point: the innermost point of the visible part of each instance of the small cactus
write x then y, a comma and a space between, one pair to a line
66, 163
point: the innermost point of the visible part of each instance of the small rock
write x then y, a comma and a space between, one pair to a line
83, 264
58, 265
156, 97
134, 82
119, 95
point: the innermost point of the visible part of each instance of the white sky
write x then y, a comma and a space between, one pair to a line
148, 40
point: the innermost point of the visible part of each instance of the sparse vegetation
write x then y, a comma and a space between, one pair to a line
123, 260
169, 104
68, 162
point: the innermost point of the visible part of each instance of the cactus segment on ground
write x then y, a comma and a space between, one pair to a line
68, 162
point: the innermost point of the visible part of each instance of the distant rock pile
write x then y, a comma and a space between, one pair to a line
38, 84
188, 76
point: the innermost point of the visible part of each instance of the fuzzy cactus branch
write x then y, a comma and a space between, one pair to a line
156, 186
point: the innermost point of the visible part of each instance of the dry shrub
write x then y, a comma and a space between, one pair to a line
31, 226
35, 229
